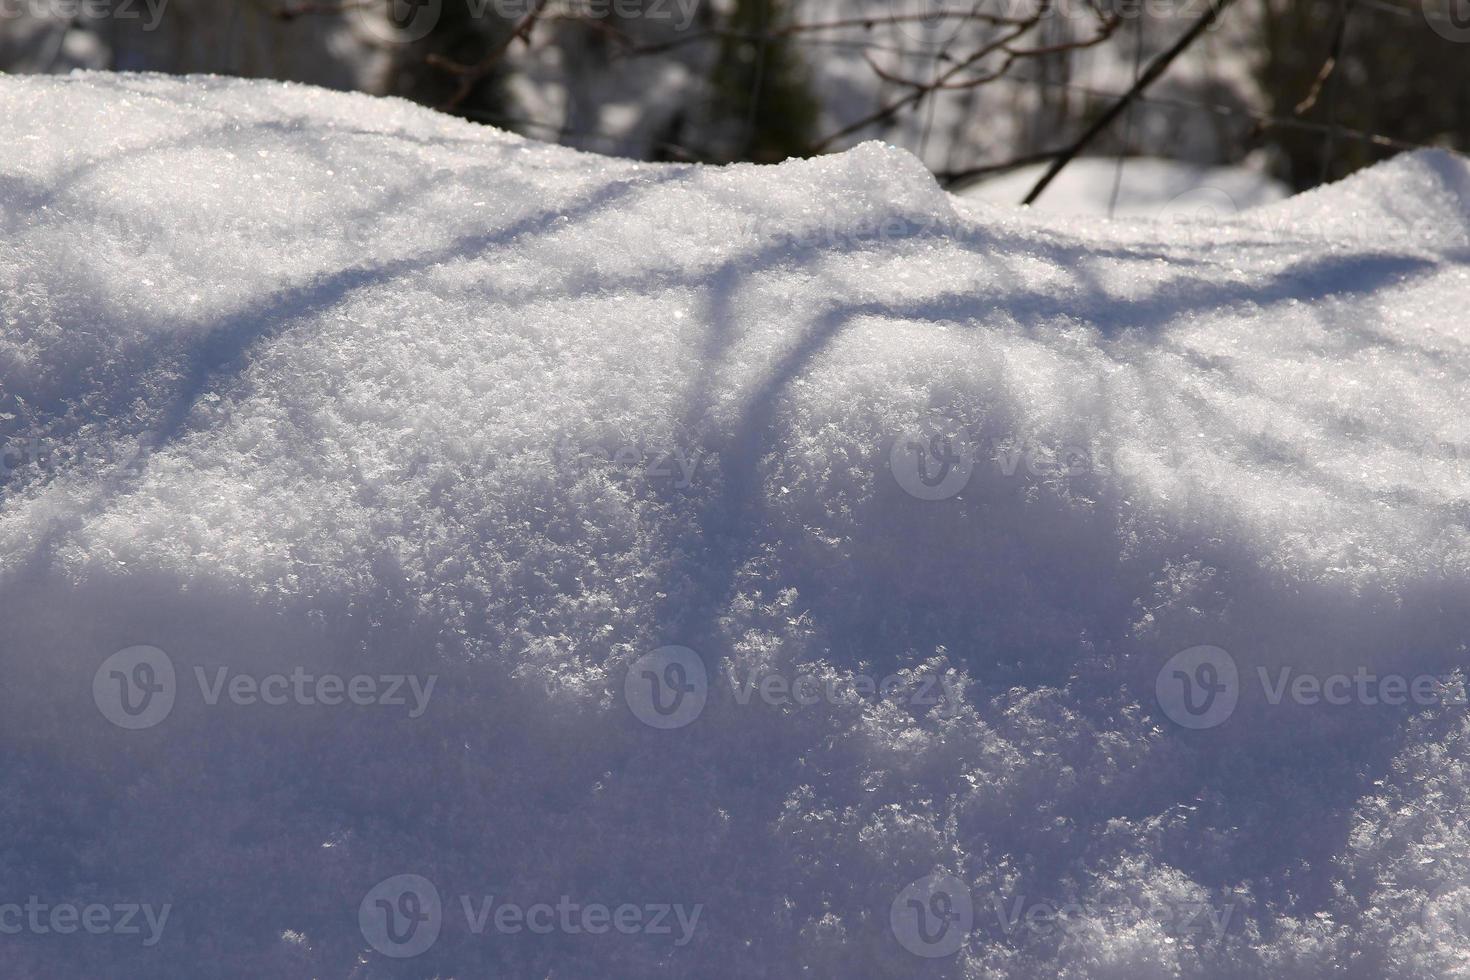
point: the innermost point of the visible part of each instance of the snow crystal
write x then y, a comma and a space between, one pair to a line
294, 378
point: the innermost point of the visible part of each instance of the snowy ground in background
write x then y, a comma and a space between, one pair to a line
1147, 188
298, 382
574, 85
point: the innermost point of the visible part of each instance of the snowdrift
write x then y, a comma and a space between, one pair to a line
801, 545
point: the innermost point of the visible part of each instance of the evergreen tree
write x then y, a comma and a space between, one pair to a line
763, 109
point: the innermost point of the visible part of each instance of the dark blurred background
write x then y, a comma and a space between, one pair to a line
1298, 92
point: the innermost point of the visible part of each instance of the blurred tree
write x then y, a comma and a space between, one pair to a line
461, 35
1394, 75
762, 106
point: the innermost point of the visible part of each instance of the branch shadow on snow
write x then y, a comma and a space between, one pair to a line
389, 799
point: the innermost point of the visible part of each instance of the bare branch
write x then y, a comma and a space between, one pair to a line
1334, 51
948, 79
1156, 68
470, 75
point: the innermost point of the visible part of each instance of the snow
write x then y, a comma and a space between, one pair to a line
303, 380
1146, 187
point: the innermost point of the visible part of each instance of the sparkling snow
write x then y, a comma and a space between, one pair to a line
291, 377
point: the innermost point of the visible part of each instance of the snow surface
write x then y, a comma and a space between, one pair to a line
294, 378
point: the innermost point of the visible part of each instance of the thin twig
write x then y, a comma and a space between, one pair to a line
813, 27
948, 80
471, 75
1155, 69
1334, 51
954, 180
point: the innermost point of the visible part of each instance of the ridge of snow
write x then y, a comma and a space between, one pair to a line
315, 377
